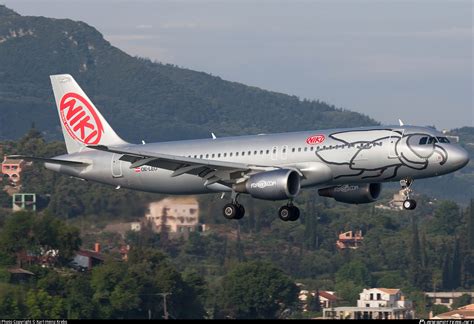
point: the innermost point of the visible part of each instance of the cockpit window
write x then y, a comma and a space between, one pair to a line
431, 140
443, 139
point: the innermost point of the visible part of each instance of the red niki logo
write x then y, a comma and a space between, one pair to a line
80, 119
315, 139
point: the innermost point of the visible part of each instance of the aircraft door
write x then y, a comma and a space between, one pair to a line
116, 166
395, 137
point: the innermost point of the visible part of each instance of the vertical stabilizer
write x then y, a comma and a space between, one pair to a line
81, 122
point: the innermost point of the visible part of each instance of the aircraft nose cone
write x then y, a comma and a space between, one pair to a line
458, 157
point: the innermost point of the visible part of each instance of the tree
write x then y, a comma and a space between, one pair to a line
348, 291
42, 305
314, 302
256, 290
464, 300
446, 218
354, 271
439, 309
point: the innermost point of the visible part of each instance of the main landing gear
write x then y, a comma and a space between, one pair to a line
289, 212
234, 210
408, 204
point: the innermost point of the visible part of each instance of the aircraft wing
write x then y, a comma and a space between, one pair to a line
211, 170
46, 160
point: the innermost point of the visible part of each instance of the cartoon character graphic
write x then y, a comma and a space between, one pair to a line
414, 151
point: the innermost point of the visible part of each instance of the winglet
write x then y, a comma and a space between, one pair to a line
401, 123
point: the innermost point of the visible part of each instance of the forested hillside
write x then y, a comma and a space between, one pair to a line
430, 248
141, 99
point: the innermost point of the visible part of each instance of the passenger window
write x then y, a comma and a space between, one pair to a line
306, 149
284, 150
423, 140
225, 154
219, 155
230, 154
200, 156
268, 151
255, 152
236, 153
293, 150
243, 153
312, 148
299, 149
207, 155
213, 154
261, 152
249, 153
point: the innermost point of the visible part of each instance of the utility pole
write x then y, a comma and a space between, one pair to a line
165, 310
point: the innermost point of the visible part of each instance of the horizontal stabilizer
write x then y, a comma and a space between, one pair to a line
55, 161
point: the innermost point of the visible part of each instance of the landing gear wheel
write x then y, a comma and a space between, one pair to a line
295, 213
240, 212
285, 213
230, 211
288, 213
233, 211
409, 204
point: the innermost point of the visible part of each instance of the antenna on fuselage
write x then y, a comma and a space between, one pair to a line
401, 123
213, 136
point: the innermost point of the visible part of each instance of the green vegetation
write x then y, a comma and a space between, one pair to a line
230, 270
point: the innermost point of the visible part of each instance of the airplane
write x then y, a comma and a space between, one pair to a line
348, 165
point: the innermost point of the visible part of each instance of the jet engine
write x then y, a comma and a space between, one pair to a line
353, 194
271, 185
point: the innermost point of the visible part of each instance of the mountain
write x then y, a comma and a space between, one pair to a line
141, 99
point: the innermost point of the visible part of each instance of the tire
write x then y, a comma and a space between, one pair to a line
295, 213
409, 204
240, 212
230, 211
285, 213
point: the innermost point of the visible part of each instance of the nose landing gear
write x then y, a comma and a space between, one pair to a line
408, 204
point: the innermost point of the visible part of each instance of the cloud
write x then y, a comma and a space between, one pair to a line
129, 37
143, 26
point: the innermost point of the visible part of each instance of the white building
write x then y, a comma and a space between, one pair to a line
178, 214
446, 298
383, 297
375, 303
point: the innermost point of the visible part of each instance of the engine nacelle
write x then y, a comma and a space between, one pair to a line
272, 185
353, 194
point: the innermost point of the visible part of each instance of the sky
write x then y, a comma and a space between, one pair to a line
408, 60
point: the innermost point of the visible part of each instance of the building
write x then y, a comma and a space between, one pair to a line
177, 214
19, 275
327, 299
123, 228
446, 298
462, 313
12, 168
349, 240
87, 259
24, 201
375, 303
